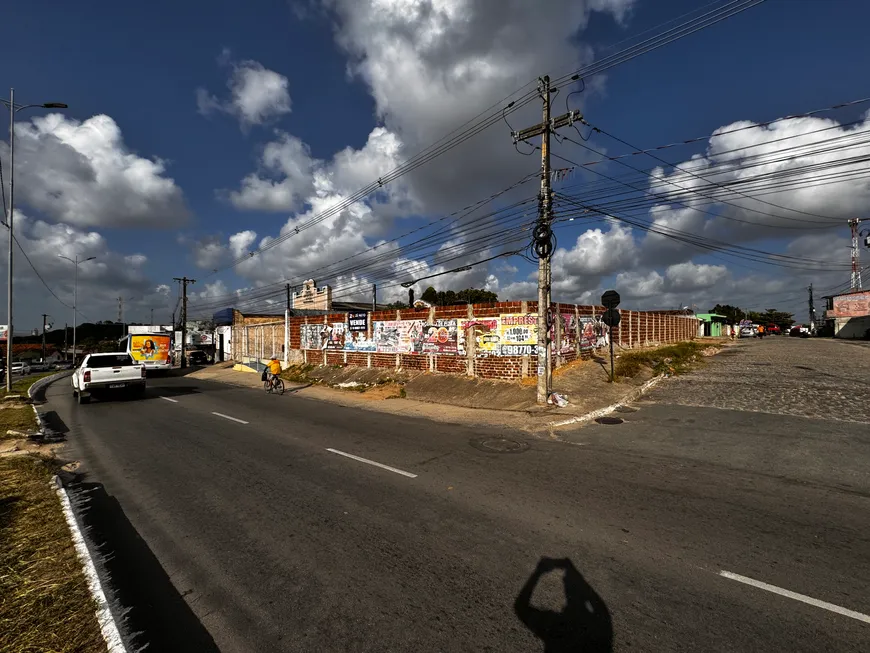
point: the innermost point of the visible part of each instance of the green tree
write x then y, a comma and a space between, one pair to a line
430, 295
733, 313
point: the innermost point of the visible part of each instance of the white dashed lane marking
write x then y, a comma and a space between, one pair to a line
174, 401
234, 419
803, 598
372, 462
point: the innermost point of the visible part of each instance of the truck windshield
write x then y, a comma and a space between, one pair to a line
110, 360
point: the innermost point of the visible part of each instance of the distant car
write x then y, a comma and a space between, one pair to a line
773, 329
197, 357
20, 368
63, 365
37, 366
747, 332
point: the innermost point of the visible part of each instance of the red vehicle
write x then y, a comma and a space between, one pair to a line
773, 329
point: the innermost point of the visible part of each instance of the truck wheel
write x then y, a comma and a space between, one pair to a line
84, 400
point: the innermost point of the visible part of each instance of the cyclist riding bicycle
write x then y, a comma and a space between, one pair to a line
273, 369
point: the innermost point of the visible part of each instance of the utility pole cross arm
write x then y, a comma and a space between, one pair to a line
565, 120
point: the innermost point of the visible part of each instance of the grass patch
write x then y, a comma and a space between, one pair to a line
672, 359
45, 604
21, 386
16, 417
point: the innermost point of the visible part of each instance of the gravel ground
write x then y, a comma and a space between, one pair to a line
779, 375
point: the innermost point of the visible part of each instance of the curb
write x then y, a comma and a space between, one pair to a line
108, 627
601, 412
36, 387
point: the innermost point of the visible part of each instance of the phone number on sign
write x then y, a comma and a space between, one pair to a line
515, 350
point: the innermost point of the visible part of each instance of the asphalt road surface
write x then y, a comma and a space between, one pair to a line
691, 526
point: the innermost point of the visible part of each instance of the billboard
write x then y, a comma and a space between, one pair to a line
357, 321
4, 330
153, 349
854, 305
398, 336
439, 337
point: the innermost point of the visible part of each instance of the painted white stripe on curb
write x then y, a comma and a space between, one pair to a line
174, 401
235, 419
601, 412
824, 605
108, 627
372, 462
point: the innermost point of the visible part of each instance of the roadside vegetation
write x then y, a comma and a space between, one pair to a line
45, 603
21, 386
670, 360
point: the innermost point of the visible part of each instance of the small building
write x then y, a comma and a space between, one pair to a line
313, 298
712, 325
848, 314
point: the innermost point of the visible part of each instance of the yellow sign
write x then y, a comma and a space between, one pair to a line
150, 348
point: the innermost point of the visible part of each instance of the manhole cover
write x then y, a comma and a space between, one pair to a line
495, 444
625, 409
609, 420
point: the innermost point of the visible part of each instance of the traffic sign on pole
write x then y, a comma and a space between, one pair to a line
610, 299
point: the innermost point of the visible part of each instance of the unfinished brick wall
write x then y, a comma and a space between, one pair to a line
636, 329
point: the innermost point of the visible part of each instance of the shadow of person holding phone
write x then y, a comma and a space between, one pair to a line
583, 626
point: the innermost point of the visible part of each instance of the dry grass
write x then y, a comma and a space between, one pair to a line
671, 359
16, 417
45, 604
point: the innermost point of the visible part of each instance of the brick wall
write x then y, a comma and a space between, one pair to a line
636, 329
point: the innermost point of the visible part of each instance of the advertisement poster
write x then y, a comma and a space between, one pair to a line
150, 348
357, 321
593, 333
333, 335
439, 337
518, 334
486, 335
569, 333
357, 341
854, 305
4, 330
309, 335
398, 336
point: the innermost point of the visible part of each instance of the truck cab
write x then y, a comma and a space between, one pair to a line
107, 373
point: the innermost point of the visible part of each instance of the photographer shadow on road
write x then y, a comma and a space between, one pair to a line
583, 626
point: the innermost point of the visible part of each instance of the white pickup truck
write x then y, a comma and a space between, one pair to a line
113, 372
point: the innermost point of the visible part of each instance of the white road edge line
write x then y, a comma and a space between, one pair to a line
824, 605
108, 627
372, 462
235, 419
174, 401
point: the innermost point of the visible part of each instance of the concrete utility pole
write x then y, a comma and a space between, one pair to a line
543, 233
184, 281
856, 255
76, 262
44, 318
812, 310
374, 297
289, 301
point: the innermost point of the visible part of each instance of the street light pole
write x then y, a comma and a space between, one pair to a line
76, 295
13, 109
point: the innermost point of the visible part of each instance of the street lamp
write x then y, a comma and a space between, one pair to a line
13, 109
76, 263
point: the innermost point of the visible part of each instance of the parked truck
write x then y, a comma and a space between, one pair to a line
107, 373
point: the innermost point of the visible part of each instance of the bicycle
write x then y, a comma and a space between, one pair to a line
274, 384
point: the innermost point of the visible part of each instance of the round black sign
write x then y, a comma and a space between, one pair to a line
611, 317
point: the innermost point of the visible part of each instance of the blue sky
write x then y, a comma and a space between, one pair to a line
141, 65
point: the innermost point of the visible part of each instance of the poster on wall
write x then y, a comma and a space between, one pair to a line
4, 331
357, 341
333, 335
518, 334
593, 333
357, 321
398, 336
309, 335
486, 335
439, 337
569, 332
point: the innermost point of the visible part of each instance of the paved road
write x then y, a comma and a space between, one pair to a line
277, 543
